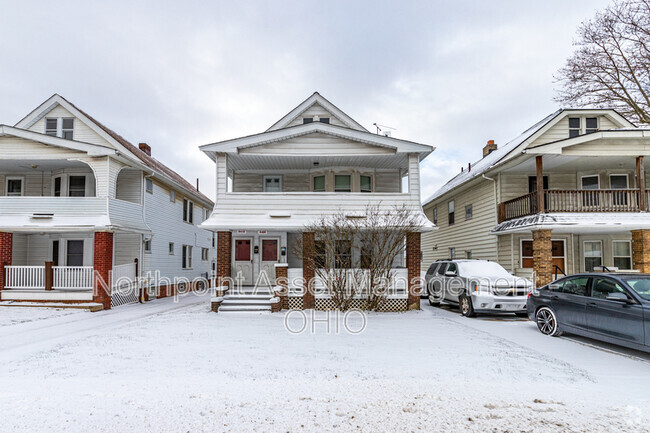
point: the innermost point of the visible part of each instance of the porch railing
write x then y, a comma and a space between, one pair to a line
25, 277
72, 277
123, 274
564, 200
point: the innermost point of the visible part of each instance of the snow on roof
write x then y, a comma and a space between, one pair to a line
492, 159
570, 221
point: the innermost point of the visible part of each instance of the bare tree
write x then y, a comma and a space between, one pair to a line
611, 64
355, 254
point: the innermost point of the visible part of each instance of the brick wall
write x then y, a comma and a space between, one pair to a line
103, 263
413, 263
224, 259
641, 250
282, 280
308, 250
6, 252
542, 257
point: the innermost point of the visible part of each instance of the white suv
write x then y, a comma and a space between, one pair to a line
477, 286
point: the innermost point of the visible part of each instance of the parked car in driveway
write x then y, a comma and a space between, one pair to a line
614, 308
477, 286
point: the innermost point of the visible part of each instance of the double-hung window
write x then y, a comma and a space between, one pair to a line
342, 183
318, 183
188, 211
51, 126
272, 184
76, 186
365, 183
14, 186
187, 257
622, 252
591, 124
574, 127
450, 212
67, 128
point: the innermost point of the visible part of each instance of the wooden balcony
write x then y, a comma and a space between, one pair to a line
564, 200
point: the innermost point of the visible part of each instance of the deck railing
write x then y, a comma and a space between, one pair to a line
564, 200
25, 277
123, 274
73, 277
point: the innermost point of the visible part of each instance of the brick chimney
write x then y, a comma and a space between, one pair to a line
145, 148
489, 148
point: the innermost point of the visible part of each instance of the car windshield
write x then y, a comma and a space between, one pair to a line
482, 269
641, 285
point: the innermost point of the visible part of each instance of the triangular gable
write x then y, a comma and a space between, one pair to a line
316, 105
89, 148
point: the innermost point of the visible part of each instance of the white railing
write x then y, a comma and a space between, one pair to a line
73, 277
25, 277
123, 274
398, 287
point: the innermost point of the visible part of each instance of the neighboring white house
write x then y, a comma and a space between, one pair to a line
316, 160
568, 192
77, 195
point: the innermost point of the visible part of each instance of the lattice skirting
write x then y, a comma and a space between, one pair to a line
124, 295
295, 302
390, 305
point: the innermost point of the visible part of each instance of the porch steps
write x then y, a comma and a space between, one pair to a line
90, 306
246, 302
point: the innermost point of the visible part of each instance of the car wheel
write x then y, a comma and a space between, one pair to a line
433, 302
466, 307
521, 315
547, 322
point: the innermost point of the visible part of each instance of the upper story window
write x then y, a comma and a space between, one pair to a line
188, 211
171, 248
342, 183
591, 124
187, 257
272, 184
451, 209
574, 126
51, 126
77, 186
324, 120
435, 215
14, 186
172, 196
468, 212
148, 185
318, 183
58, 181
306, 120
147, 246
365, 183
67, 128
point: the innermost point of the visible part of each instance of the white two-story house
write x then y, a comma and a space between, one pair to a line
75, 198
316, 160
566, 196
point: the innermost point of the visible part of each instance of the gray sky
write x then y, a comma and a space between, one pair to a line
177, 75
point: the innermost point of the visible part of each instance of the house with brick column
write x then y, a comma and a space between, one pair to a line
314, 161
83, 211
568, 195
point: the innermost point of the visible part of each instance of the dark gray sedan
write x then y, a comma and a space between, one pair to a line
614, 308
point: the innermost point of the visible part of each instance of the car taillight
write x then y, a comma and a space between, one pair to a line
530, 294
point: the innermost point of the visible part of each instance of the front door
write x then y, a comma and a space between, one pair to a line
270, 256
243, 261
557, 255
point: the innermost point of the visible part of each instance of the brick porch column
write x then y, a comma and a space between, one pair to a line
641, 250
224, 257
542, 257
6, 253
308, 272
413, 265
103, 263
282, 283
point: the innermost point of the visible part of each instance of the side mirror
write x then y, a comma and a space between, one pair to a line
450, 274
618, 297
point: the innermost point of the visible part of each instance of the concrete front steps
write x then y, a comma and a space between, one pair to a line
246, 301
90, 306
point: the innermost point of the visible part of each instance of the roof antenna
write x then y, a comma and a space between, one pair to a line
385, 133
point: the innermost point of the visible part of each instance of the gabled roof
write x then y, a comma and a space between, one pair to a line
316, 98
89, 148
639, 135
515, 147
235, 145
120, 143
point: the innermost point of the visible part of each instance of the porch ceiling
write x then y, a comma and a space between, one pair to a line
572, 164
37, 165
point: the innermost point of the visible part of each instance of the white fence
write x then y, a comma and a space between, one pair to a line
123, 274
25, 277
73, 277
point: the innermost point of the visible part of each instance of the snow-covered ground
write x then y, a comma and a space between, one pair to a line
167, 366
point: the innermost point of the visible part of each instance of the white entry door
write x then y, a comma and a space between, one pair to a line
244, 260
270, 256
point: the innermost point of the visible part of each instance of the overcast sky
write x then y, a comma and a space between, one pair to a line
177, 75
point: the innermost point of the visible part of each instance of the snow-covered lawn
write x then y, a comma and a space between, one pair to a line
178, 367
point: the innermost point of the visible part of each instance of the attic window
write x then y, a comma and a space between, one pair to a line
306, 120
67, 128
592, 124
51, 126
324, 120
574, 127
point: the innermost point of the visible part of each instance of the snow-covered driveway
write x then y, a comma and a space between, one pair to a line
178, 367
